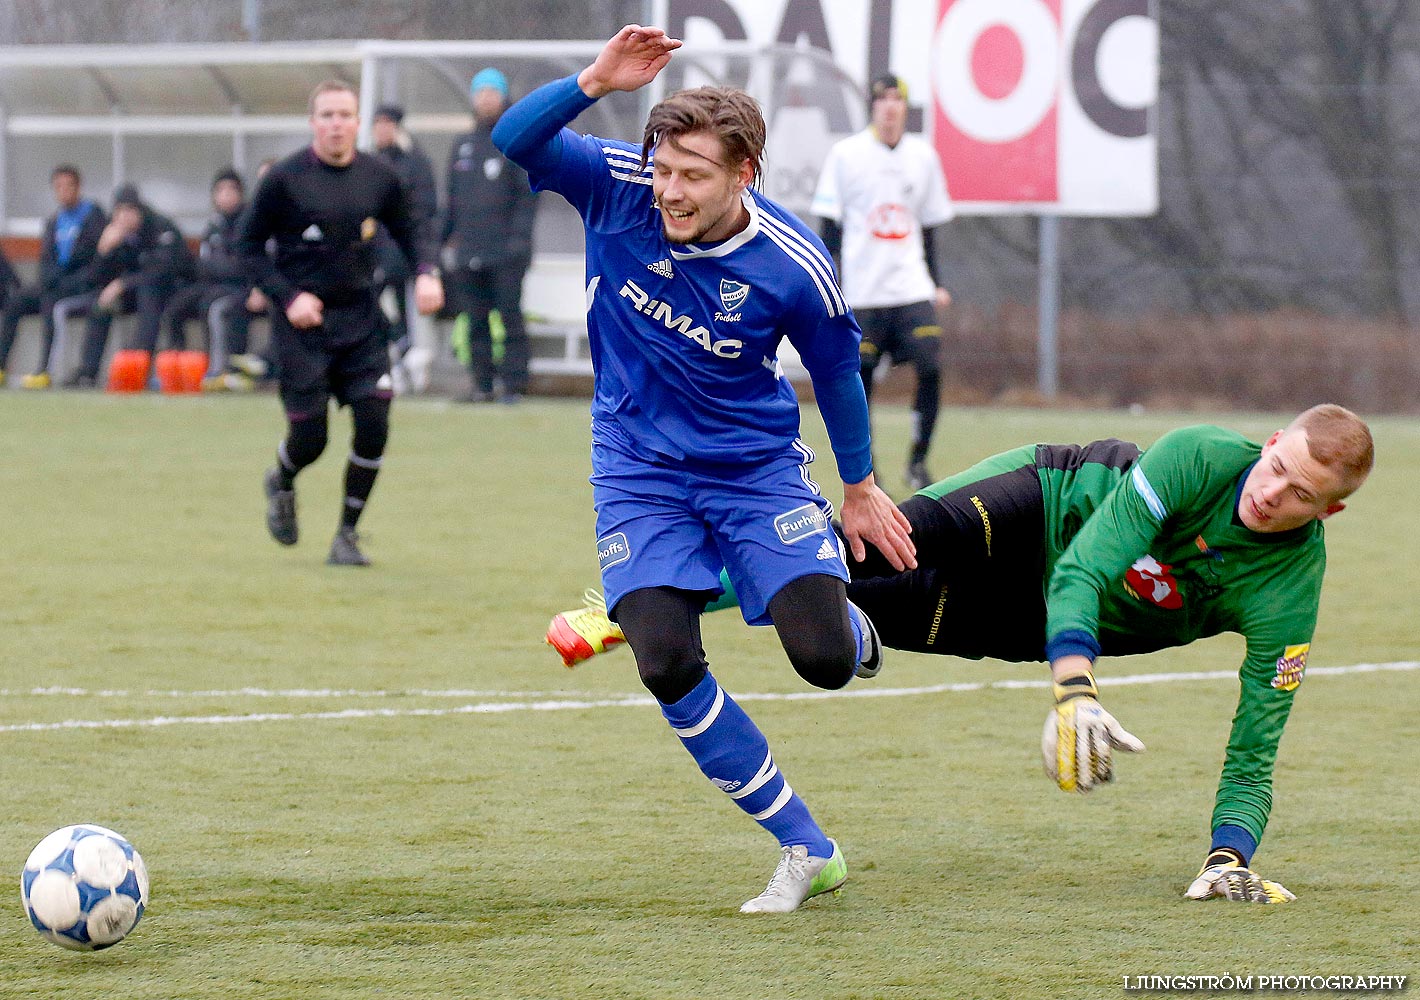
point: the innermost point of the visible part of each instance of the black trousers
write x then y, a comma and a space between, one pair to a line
907, 333
148, 301
478, 293
977, 589
32, 300
195, 301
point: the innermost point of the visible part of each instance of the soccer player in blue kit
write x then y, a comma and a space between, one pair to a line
693, 278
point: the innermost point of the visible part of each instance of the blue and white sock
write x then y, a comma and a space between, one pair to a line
734, 755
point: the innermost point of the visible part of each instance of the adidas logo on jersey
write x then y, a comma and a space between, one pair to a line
312, 233
663, 268
827, 550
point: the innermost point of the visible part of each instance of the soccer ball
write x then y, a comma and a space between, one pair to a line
84, 887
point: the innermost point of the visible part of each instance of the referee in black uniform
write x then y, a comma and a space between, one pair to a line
321, 207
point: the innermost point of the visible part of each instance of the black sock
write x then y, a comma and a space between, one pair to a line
305, 440
286, 475
360, 476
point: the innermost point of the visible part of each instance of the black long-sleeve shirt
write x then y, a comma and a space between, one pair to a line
217, 259
156, 253
8, 278
416, 173
323, 220
491, 205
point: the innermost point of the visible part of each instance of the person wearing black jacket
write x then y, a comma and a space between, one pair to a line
322, 208
66, 265
397, 148
143, 260
219, 271
8, 278
489, 226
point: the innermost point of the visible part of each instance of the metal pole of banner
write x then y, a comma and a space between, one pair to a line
1048, 297
251, 19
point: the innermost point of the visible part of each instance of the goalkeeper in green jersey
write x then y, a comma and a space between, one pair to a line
1066, 553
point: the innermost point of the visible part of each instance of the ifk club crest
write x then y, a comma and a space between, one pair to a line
732, 294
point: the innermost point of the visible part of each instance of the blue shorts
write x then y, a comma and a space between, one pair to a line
669, 526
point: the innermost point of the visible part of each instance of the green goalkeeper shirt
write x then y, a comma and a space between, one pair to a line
1163, 560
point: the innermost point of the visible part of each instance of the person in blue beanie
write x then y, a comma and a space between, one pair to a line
488, 230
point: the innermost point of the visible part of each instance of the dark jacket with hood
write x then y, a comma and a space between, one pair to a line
491, 205
157, 253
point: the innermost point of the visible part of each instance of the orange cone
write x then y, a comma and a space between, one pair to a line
168, 364
192, 367
128, 371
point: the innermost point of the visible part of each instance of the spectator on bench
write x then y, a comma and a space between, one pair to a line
143, 260
8, 279
66, 268
220, 280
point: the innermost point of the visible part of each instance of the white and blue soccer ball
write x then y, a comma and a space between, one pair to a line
84, 887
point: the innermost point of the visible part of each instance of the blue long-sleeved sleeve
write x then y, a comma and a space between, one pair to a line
530, 132
844, 406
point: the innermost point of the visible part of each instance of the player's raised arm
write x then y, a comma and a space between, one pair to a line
629, 61
1079, 738
530, 133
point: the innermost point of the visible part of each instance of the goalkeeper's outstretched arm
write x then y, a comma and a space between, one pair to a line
1080, 737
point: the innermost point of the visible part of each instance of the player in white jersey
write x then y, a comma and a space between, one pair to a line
882, 199
693, 279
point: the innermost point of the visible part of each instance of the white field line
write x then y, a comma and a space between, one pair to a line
626, 701
256, 692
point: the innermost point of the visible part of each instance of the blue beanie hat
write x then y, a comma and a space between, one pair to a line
489, 77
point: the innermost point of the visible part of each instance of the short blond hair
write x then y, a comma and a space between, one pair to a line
1339, 440
331, 87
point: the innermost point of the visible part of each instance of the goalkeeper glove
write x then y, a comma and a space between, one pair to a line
1224, 874
1080, 737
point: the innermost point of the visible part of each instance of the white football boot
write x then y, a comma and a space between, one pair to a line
798, 877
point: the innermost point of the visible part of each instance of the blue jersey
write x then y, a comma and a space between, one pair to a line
684, 337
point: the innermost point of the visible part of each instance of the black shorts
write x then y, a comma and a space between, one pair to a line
907, 333
347, 357
977, 590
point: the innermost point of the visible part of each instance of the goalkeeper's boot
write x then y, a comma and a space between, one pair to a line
345, 549
39, 380
280, 509
872, 660
584, 632
799, 877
